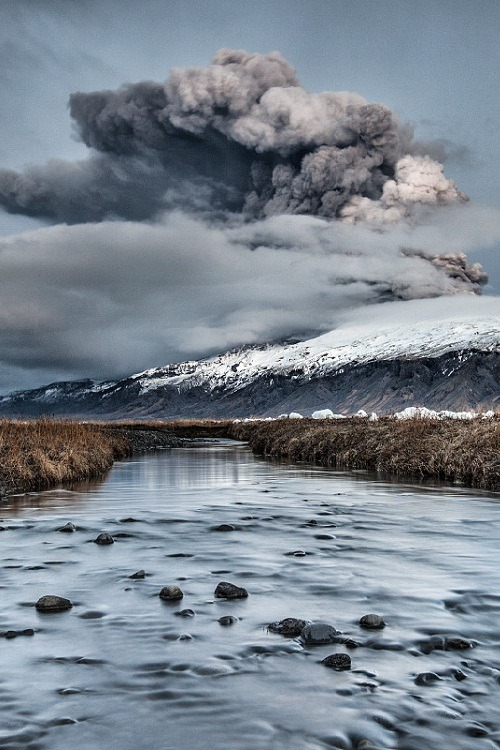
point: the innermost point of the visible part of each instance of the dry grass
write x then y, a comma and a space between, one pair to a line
465, 452
43, 453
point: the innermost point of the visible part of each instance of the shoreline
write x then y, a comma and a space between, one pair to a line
40, 454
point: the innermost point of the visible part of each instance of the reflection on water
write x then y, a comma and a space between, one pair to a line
122, 670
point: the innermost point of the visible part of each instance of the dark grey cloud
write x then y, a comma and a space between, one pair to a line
245, 131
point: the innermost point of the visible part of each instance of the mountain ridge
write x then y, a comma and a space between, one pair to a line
450, 363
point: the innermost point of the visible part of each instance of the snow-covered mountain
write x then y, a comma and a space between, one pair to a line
379, 362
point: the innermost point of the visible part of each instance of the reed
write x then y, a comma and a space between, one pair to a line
45, 452
454, 451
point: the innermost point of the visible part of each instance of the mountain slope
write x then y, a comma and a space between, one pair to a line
450, 363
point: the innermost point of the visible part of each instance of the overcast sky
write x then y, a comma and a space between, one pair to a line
433, 64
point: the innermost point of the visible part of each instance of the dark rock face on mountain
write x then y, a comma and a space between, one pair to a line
456, 380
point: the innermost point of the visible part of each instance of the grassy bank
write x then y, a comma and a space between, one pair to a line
454, 451
43, 453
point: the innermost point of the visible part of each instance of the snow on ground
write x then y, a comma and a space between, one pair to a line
411, 412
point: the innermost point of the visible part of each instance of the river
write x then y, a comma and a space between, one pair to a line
122, 670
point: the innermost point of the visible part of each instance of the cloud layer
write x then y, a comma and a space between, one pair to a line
108, 299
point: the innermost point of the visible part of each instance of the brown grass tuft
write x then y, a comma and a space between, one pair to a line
455, 451
43, 452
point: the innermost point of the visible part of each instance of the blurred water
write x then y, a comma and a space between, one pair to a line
122, 670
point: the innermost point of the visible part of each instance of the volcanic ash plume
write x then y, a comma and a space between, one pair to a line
241, 138
244, 133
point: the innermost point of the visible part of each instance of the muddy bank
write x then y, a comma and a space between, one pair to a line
142, 439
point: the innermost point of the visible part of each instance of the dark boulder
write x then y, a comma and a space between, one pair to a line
372, 622
339, 662
50, 603
318, 633
171, 593
225, 590
104, 538
290, 627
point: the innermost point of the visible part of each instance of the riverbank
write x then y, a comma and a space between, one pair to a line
449, 450
43, 453
39, 454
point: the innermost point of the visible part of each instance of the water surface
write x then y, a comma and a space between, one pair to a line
123, 670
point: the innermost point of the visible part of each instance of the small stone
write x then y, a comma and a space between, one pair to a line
68, 528
457, 644
129, 520
179, 554
225, 590
14, 633
140, 574
340, 662
185, 637
171, 594
372, 622
227, 620
318, 633
104, 539
476, 730
185, 613
224, 527
459, 675
52, 603
290, 627
350, 643
91, 614
426, 678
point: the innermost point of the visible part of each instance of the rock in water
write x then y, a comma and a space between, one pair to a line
372, 622
104, 539
340, 662
224, 527
457, 644
9, 634
171, 593
52, 603
227, 590
140, 574
185, 613
290, 627
68, 528
426, 678
317, 633
227, 620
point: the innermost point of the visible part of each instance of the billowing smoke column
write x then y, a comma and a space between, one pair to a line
240, 136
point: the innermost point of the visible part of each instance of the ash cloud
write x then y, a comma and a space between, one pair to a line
247, 137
